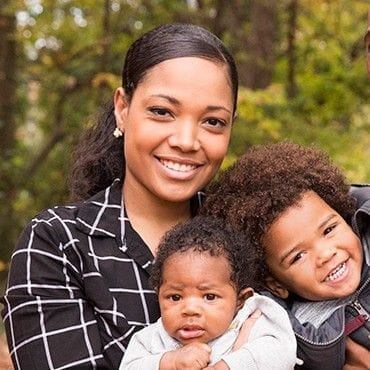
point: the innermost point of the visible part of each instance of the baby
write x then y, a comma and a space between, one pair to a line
204, 278
296, 207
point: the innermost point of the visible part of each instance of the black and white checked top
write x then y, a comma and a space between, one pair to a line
78, 287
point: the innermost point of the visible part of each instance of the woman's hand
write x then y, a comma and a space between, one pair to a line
357, 356
246, 329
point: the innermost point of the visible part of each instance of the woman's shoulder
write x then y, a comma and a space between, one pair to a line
83, 212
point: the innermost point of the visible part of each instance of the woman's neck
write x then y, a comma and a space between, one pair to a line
150, 216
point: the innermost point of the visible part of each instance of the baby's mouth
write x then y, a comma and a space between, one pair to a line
191, 331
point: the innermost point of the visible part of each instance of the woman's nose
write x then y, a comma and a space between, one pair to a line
185, 136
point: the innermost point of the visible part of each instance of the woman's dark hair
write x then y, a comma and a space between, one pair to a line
99, 158
210, 235
269, 179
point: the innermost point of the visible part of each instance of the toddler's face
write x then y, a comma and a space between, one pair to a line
197, 298
313, 252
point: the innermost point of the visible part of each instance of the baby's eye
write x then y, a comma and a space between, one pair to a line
175, 297
297, 257
329, 229
210, 297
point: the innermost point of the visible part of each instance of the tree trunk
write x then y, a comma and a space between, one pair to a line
7, 83
291, 88
259, 45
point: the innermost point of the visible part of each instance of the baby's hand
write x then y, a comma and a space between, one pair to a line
193, 356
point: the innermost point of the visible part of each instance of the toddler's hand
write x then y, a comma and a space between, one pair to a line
246, 329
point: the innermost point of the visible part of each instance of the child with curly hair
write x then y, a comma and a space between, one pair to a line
204, 279
297, 209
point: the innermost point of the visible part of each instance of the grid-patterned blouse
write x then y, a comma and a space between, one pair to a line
78, 287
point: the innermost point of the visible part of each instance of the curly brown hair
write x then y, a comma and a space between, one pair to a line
267, 180
210, 235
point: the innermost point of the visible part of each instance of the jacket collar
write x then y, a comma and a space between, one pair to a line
361, 218
100, 215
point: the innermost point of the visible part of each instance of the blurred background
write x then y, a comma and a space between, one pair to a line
302, 76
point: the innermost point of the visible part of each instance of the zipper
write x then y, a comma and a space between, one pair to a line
355, 304
331, 341
360, 310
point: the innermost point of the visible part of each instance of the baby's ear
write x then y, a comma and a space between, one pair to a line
243, 296
276, 288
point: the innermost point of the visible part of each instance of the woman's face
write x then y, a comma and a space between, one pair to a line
176, 127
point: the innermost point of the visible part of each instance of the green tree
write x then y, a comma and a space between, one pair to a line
302, 66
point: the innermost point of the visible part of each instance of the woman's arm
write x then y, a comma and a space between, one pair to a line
48, 319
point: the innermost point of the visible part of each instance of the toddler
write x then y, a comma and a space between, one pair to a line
297, 209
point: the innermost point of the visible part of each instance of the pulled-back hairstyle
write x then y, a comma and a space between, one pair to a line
99, 158
210, 235
269, 179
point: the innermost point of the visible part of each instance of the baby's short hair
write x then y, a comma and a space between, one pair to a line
210, 235
267, 180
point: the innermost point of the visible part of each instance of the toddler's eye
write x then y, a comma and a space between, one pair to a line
175, 297
329, 229
297, 257
210, 297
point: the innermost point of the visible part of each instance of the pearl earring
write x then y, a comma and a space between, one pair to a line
117, 133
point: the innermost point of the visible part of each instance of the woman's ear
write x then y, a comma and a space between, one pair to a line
243, 296
120, 108
276, 288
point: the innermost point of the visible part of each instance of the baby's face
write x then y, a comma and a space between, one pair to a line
197, 298
313, 252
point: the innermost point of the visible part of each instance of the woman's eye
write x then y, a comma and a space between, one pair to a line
216, 122
210, 297
175, 297
159, 111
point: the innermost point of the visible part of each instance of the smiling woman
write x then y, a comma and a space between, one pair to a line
78, 284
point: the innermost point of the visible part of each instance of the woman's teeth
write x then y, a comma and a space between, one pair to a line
336, 273
180, 167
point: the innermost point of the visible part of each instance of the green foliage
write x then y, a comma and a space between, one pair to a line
70, 59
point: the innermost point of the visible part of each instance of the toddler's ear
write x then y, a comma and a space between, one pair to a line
276, 288
243, 296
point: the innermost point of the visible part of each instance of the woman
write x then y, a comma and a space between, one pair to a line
78, 284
